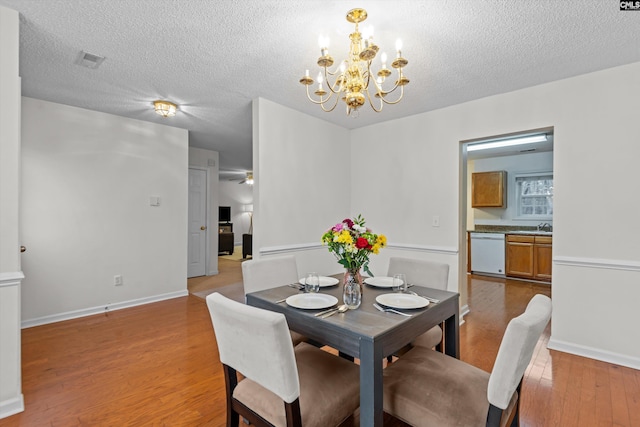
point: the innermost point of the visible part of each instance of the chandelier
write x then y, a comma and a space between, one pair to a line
353, 78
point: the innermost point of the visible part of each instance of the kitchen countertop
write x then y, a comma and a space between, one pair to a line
511, 230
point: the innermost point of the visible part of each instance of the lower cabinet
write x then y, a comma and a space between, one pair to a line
543, 258
529, 256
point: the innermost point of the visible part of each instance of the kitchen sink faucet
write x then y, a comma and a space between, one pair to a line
544, 226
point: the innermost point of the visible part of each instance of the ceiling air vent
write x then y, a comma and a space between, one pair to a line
89, 60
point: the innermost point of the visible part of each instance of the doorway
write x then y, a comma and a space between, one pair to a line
520, 163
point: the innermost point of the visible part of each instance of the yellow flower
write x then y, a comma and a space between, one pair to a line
375, 248
344, 237
381, 240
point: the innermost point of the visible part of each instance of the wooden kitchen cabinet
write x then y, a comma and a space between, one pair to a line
488, 189
543, 258
520, 256
529, 256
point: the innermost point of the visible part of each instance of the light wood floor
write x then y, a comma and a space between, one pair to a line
157, 365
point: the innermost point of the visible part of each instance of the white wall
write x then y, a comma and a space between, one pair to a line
236, 196
513, 165
596, 252
302, 167
11, 399
86, 215
209, 161
411, 177
409, 170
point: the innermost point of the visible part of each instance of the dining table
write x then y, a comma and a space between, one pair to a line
366, 333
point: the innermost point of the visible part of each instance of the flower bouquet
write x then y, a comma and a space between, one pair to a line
352, 243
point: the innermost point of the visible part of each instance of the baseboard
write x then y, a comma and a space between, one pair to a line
11, 406
100, 309
464, 310
594, 353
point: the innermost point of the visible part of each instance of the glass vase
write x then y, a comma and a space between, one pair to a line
352, 289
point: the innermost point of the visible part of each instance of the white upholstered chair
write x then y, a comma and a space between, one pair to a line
281, 386
267, 273
423, 273
428, 388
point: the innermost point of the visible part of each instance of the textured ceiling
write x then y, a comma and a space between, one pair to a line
214, 57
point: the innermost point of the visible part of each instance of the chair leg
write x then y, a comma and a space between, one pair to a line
231, 381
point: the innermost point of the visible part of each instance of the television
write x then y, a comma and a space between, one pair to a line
224, 213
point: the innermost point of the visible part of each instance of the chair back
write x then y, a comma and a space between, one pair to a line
516, 350
256, 343
421, 272
267, 273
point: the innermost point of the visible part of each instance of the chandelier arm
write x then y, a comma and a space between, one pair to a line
371, 102
332, 108
397, 100
332, 86
321, 102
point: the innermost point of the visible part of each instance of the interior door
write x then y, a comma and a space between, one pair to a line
197, 240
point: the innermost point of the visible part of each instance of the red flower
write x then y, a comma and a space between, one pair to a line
348, 222
362, 243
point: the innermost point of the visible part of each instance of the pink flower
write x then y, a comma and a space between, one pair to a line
337, 228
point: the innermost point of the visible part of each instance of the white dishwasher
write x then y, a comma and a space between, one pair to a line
487, 253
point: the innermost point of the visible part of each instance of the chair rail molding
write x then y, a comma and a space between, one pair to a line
611, 264
271, 250
11, 278
448, 250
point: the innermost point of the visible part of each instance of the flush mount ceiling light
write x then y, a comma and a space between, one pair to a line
353, 77
165, 108
507, 142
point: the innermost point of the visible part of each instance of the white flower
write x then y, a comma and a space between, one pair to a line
359, 228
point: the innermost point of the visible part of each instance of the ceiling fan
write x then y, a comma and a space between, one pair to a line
248, 179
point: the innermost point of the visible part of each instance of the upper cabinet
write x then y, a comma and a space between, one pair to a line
488, 189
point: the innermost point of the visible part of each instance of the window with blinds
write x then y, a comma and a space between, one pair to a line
534, 195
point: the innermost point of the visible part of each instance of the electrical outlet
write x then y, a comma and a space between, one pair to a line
435, 221
117, 280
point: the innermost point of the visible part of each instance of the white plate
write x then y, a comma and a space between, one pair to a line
402, 301
312, 301
379, 281
324, 281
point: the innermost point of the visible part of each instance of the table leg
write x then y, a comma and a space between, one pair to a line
452, 336
371, 411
